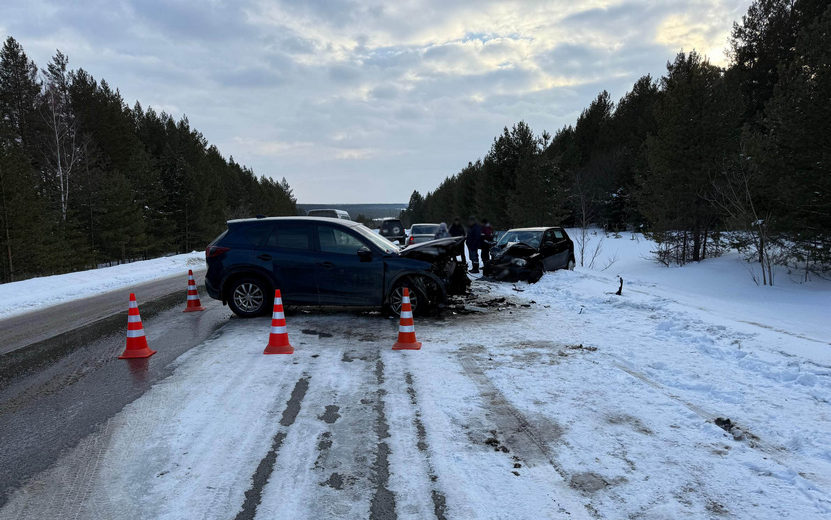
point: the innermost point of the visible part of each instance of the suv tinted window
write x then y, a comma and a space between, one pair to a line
558, 233
252, 234
291, 236
334, 240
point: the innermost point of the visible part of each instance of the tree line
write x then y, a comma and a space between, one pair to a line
701, 151
86, 180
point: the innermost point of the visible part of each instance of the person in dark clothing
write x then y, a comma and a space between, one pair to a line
474, 242
487, 240
456, 230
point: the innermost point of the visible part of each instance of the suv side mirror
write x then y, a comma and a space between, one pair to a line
365, 254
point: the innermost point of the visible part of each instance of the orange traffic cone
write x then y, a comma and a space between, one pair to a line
193, 295
278, 340
406, 327
136, 341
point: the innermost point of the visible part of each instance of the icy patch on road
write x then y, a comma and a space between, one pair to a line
35, 293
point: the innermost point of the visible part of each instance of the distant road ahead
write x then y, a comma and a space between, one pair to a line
20, 331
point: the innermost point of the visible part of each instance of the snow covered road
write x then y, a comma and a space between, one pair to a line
562, 401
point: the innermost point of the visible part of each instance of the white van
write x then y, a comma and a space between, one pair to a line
330, 213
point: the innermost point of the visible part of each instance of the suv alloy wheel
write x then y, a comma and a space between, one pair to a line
248, 297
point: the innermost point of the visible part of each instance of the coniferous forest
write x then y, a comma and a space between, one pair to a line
700, 159
86, 180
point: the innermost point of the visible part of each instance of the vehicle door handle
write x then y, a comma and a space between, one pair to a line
327, 265
264, 258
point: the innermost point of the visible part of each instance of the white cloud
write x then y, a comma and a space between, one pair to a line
336, 95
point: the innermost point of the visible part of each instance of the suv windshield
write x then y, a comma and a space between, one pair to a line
532, 238
379, 241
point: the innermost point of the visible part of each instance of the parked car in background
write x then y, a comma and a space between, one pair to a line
329, 213
526, 253
393, 230
422, 233
323, 261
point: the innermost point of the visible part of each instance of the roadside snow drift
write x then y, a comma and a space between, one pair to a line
34, 293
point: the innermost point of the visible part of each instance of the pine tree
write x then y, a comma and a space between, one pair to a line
795, 146
697, 127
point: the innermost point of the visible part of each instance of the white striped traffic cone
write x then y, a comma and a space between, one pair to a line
136, 341
193, 295
278, 340
406, 326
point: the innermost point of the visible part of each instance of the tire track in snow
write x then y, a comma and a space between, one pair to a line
436, 495
382, 506
261, 475
525, 440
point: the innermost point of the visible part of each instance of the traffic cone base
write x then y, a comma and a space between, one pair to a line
416, 345
288, 349
278, 340
406, 326
136, 340
194, 305
137, 353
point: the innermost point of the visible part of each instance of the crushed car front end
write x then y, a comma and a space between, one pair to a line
515, 262
441, 254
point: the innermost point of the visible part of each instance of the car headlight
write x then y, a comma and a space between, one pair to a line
519, 262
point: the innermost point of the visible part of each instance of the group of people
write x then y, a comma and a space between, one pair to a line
478, 238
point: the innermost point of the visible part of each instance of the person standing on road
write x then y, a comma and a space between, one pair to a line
442, 232
487, 240
456, 230
474, 242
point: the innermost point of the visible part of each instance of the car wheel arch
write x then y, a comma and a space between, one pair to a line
237, 274
402, 277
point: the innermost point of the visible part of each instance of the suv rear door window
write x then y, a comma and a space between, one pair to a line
251, 235
296, 236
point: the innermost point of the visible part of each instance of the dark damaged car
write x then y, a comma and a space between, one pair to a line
524, 254
326, 262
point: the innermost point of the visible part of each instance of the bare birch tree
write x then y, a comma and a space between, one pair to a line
62, 150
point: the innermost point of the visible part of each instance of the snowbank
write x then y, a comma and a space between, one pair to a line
722, 285
28, 295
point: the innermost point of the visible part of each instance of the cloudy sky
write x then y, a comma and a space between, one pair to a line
365, 100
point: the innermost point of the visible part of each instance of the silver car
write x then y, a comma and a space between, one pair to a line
422, 233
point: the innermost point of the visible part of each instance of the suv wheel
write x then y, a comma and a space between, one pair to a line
418, 301
247, 297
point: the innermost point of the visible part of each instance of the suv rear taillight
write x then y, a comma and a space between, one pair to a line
212, 251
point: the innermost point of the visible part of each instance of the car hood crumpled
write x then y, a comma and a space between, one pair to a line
433, 248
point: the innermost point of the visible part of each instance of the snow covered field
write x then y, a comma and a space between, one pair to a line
558, 400
34, 293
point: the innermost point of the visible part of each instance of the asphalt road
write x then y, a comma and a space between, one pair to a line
62, 383
23, 330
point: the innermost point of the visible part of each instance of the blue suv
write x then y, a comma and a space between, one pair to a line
324, 262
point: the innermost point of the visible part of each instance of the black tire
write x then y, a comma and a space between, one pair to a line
418, 300
535, 272
249, 297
